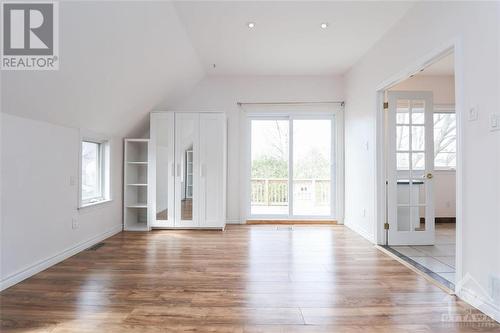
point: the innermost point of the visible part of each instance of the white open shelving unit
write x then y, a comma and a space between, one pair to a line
135, 185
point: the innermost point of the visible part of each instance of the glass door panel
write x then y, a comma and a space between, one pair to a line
269, 167
312, 161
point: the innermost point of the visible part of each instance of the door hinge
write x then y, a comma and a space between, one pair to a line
386, 226
386, 105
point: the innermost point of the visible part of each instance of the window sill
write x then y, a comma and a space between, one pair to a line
445, 170
93, 204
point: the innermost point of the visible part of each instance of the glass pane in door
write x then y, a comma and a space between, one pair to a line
269, 167
312, 160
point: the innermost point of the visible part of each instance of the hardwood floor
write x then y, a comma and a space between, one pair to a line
246, 279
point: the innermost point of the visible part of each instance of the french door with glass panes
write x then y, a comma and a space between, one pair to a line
410, 167
292, 169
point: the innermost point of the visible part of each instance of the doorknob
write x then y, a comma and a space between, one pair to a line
429, 175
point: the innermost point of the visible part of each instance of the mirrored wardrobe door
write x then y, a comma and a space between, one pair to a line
186, 169
162, 139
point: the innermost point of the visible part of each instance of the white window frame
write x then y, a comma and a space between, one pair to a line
444, 108
104, 170
335, 113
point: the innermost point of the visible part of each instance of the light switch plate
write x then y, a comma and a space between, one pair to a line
473, 113
495, 122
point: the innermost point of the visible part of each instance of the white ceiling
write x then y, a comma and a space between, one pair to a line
444, 66
287, 38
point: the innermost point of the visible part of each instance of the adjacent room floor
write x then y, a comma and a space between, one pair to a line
438, 258
248, 278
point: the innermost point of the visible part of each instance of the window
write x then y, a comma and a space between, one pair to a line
445, 132
94, 172
291, 166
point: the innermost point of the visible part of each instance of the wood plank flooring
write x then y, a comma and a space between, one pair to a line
246, 279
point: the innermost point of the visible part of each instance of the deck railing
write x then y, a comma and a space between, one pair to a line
274, 191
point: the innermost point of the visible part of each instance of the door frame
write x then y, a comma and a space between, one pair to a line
313, 111
453, 46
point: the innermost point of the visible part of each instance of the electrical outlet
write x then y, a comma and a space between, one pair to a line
74, 223
473, 113
495, 122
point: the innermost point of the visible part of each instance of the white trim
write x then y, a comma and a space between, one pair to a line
444, 108
479, 302
105, 155
92, 204
63, 255
234, 221
360, 231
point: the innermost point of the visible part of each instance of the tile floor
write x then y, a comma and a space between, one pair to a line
439, 258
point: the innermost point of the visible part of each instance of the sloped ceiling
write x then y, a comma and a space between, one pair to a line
117, 61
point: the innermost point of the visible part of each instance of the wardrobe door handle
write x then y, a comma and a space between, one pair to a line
172, 166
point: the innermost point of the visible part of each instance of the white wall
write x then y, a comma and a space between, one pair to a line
220, 93
427, 27
38, 160
443, 89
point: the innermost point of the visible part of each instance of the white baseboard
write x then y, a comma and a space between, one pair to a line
362, 232
234, 221
46, 263
480, 303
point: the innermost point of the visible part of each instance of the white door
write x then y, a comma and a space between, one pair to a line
212, 170
187, 155
162, 170
410, 167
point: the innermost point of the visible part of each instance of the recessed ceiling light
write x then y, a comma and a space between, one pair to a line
324, 25
251, 25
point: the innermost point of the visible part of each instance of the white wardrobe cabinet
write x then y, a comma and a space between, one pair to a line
187, 166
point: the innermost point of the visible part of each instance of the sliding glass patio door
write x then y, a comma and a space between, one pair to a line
292, 167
